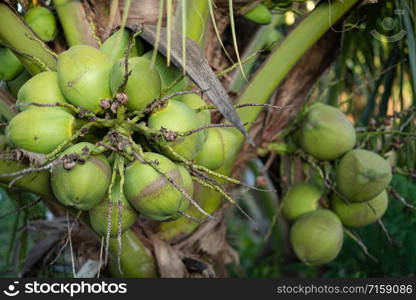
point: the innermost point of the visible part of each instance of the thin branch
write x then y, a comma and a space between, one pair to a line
28, 205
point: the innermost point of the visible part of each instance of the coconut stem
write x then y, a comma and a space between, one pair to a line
31, 51
197, 14
74, 20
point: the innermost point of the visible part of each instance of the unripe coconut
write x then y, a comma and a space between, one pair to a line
10, 65
326, 133
217, 149
358, 214
150, 193
362, 175
260, 14
42, 88
143, 85
194, 101
43, 23
83, 74
300, 199
317, 237
99, 213
40, 129
179, 117
168, 74
117, 44
84, 185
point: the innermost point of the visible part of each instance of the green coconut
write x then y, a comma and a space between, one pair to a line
40, 129
218, 148
179, 117
142, 266
143, 85
300, 199
117, 44
150, 193
168, 74
42, 88
99, 213
83, 73
260, 14
84, 185
326, 133
194, 101
10, 65
43, 23
362, 175
358, 214
317, 237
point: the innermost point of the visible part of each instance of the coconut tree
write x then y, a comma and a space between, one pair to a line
143, 86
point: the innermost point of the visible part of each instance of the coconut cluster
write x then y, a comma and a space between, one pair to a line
318, 213
117, 144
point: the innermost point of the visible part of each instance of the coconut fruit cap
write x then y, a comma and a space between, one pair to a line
358, 214
42, 88
217, 149
317, 237
362, 175
143, 85
99, 213
168, 74
326, 133
73, 187
43, 23
179, 117
149, 192
300, 199
83, 73
117, 44
40, 129
10, 65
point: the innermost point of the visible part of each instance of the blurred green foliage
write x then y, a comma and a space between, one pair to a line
15, 239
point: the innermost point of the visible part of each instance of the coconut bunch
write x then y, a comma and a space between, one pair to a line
121, 134
318, 209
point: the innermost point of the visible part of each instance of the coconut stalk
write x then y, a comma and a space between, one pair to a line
31, 51
78, 29
197, 14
